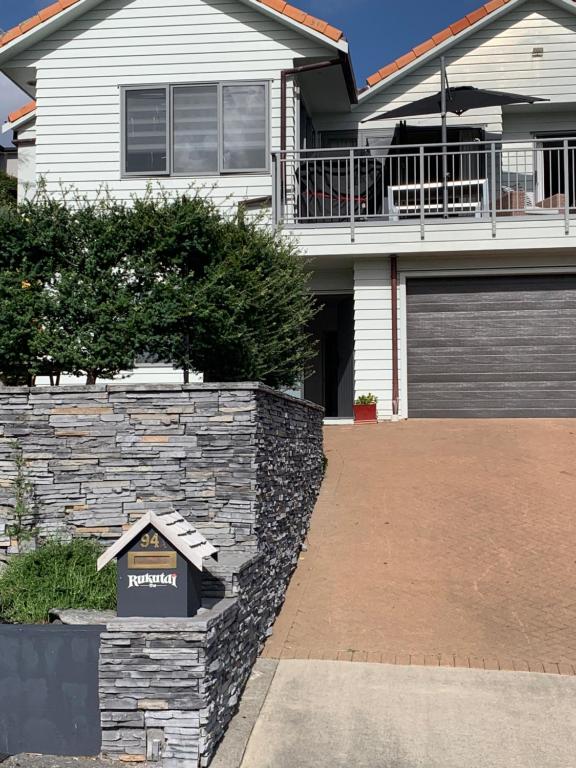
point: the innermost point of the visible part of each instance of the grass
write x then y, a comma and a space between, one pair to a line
57, 575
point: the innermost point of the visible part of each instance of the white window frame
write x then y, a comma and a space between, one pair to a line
221, 171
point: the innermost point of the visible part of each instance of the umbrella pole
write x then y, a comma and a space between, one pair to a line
444, 109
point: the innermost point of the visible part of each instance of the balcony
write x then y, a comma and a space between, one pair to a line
479, 184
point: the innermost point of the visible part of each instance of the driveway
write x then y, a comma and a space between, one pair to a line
446, 543
326, 714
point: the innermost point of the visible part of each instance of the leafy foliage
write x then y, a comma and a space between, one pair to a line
57, 575
8, 190
21, 526
90, 286
368, 399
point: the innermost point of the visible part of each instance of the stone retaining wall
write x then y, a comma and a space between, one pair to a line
98, 457
244, 463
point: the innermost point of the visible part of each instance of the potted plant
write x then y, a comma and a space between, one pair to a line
365, 409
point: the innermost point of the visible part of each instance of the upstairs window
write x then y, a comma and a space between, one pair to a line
196, 130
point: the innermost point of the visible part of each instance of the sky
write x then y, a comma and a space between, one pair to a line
378, 30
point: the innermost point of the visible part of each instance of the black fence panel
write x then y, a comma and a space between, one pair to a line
49, 690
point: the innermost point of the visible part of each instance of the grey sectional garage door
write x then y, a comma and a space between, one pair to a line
492, 346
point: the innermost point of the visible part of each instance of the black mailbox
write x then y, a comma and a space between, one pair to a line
160, 560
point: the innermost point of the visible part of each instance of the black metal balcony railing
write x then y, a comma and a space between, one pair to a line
482, 180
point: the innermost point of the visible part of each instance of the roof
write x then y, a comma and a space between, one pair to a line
285, 9
22, 112
174, 528
470, 20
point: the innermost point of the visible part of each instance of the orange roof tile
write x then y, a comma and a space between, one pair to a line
25, 110
278, 5
438, 39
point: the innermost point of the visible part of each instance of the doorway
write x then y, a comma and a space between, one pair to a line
552, 172
331, 381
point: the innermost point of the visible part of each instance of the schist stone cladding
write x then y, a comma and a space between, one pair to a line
243, 463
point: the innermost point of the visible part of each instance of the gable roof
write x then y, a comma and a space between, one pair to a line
291, 13
174, 528
463, 25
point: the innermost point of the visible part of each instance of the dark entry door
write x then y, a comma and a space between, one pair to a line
492, 346
331, 383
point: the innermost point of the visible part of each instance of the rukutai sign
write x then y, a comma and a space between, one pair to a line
160, 562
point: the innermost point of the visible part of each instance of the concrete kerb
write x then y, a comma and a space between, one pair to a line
233, 746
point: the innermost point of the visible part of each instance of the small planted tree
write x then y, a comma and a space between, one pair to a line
22, 298
232, 300
94, 321
87, 287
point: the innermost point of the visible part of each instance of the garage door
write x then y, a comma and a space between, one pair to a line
492, 347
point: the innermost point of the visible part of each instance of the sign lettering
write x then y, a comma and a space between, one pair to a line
153, 580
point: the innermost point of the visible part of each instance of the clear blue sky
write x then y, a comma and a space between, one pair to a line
378, 30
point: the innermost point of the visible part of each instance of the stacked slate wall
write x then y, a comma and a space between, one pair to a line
98, 457
243, 463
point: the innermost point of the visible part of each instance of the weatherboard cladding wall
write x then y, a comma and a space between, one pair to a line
243, 463
133, 42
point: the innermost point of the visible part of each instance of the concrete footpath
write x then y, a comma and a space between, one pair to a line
327, 714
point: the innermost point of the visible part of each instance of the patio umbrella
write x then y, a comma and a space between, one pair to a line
456, 100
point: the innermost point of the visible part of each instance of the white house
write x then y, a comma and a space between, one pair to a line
448, 276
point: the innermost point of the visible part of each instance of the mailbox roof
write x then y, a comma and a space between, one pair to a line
174, 528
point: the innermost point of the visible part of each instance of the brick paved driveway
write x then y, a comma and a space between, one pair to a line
441, 542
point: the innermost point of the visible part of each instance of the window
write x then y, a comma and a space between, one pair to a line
196, 130
145, 127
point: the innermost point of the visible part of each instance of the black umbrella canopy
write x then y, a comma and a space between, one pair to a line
458, 101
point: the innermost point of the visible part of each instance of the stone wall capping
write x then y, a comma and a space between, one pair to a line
103, 388
215, 611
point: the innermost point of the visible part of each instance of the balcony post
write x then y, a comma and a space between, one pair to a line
493, 186
422, 196
352, 198
275, 216
566, 188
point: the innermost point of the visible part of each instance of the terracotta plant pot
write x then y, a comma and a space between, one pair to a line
365, 414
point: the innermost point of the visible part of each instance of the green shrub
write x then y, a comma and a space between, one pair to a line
8, 190
57, 575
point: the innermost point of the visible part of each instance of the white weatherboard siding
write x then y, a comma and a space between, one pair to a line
454, 235
373, 332
81, 67
497, 56
147, 374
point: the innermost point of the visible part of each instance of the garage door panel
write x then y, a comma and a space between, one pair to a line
496, 343
487, 365
477, 377
497, 304
492, 346
496, 413
426, 388
491, 285
484, 328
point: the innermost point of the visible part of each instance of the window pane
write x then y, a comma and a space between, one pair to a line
196, 129
245, 127
146, 131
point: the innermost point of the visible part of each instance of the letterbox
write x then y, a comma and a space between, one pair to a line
160, 562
